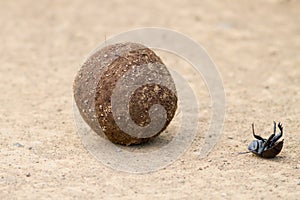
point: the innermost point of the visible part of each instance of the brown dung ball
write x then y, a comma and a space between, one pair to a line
126, 92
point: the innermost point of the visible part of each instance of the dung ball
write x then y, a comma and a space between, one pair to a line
125, 92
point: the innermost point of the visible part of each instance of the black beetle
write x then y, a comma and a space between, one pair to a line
267, 148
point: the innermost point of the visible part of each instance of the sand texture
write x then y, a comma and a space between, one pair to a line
255, 45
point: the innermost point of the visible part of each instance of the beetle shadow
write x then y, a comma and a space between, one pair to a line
277, 159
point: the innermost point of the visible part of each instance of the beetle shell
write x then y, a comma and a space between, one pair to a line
269, 153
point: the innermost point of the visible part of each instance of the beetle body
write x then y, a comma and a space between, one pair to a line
267, 148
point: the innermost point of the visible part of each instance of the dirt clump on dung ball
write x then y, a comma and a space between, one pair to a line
117, 91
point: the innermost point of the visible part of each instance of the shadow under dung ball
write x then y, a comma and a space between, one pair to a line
126, 92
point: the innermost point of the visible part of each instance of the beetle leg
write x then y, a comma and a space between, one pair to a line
274, 127
280, 127
256, 136
279, 135
266, 144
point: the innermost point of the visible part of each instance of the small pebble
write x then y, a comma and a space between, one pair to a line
17, 144
28, 175
298, 183
225, 25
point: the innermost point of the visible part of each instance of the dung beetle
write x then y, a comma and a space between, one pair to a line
267, 148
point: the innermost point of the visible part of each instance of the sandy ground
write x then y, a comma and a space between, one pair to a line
255, 45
